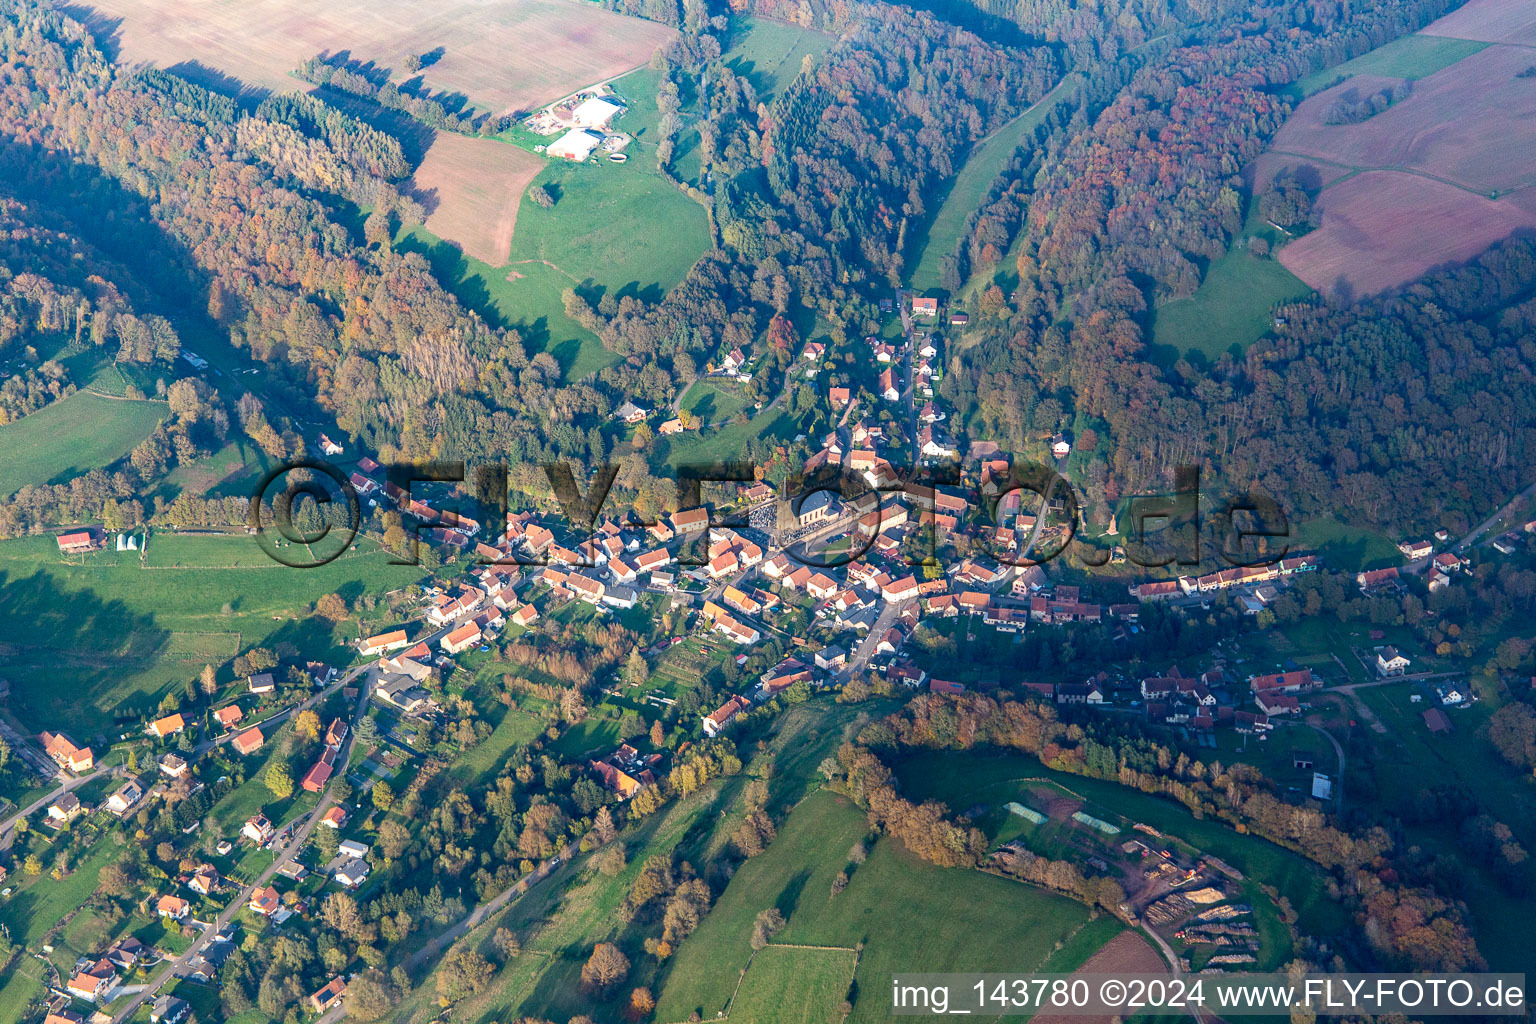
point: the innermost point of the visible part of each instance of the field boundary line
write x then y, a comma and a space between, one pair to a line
1356, 169
725, 1014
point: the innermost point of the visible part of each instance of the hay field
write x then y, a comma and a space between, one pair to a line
1473, 123
1381, 229
1490, 21
502, 55
471, 189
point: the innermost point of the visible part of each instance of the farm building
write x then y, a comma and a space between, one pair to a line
75, 543
595, 113
576, 144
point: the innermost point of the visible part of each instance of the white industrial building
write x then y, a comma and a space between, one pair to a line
576, 144
595, 113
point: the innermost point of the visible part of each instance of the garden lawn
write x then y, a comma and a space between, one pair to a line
67, 437
22, 982
39, 903
713, 404
586, 738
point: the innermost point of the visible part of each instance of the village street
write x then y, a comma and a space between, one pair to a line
299, 828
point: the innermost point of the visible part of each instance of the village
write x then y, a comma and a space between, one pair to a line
849, 585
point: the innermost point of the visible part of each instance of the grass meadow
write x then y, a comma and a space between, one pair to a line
532, 303
1231, 309
106, 636
723, 444
769, 53
1347, 548
972, 182
619, 228
905, 911
67, 437
1411, 57
785, 984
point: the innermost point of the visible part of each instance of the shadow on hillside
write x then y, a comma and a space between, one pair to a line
65, 650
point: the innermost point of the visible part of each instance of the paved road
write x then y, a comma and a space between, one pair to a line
889, 610
8, 834
302, 826
465, 924
1491, 521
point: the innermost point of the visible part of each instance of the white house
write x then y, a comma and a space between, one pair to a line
258, 829
128, 794
1389, 662
352, 874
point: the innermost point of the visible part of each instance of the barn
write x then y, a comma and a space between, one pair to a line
595, 113
576, 144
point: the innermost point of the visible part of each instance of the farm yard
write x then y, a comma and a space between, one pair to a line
498, 58
1433, 179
